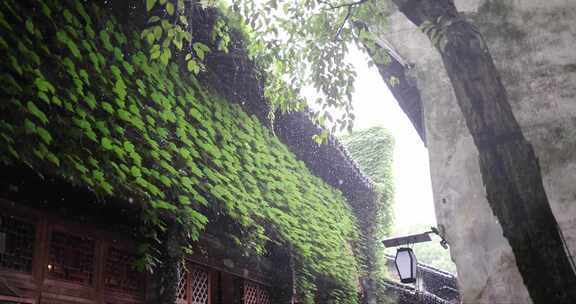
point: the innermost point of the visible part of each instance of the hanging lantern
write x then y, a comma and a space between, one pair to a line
406, 265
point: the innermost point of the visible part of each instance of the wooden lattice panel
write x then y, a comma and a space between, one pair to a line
255, 294
182, 292
16, 243
200, 285
54, 301
71, 258
119, 273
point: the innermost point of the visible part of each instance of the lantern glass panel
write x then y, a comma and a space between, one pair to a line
406, 265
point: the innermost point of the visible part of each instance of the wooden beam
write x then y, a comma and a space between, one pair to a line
408, 239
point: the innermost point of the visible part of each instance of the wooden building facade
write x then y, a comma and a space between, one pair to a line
56, 257
45, 258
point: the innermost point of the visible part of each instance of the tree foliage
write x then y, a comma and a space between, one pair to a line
304, 43
296, 44
169, 30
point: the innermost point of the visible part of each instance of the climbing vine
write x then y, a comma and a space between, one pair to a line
84, 99
168, 28
373, 150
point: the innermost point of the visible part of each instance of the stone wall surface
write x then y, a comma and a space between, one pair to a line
533, 43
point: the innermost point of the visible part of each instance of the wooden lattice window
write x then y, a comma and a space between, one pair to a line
200, 285
119, 274
71, 258
194, 286
54, 301
16, 243
182, 293
255, 293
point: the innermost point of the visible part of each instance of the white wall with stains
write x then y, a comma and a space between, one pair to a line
533, 43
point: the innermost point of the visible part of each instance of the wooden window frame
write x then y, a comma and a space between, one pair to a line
40, 286
210, 280
258, 288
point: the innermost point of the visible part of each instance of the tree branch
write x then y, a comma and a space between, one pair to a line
348, 5
348, 14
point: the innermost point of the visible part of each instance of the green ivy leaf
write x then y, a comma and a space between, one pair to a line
202, 219
153, 19
37, 112
90, 101
98, 175
170, 8
44, 134
178, 42
106, 106
53, 159
163, 205
155, 51
201, 49
29, 126
56, 101
183, 20
91, 135
166, 181
106, 143
157, 31
46, 10
44, 97
193, 66
165, 56
128, 147
44, 86
150, 37
184, 200
29, 26
105, 38
135, 171
107, 187
150, 4
81, 168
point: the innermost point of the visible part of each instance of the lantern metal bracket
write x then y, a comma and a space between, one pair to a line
415, 238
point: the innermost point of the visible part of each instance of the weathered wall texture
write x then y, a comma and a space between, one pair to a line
533, 43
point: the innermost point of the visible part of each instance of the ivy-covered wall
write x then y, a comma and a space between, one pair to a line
81, 99
372, 149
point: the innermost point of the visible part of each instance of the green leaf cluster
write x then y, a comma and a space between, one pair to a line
168, 29
305, 44
83, 101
